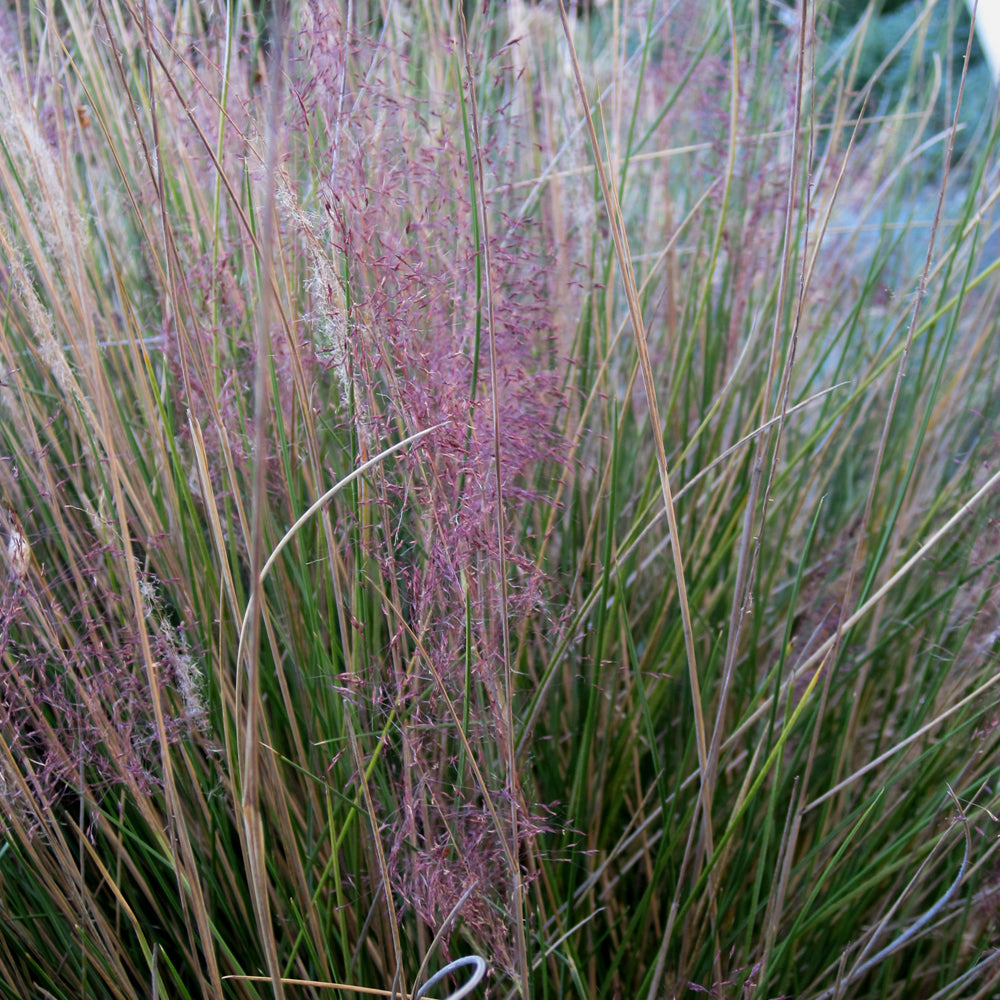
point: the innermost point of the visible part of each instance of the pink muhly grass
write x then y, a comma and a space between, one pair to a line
76, 710
400, 223
742, 984
76, 707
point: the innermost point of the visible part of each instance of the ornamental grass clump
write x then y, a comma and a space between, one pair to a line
484, 480
409, 344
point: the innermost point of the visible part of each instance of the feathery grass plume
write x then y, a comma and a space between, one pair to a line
18, 553
398, 213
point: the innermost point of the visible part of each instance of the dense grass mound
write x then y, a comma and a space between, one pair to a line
524, 488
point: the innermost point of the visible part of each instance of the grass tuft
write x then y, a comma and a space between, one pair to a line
516, 481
